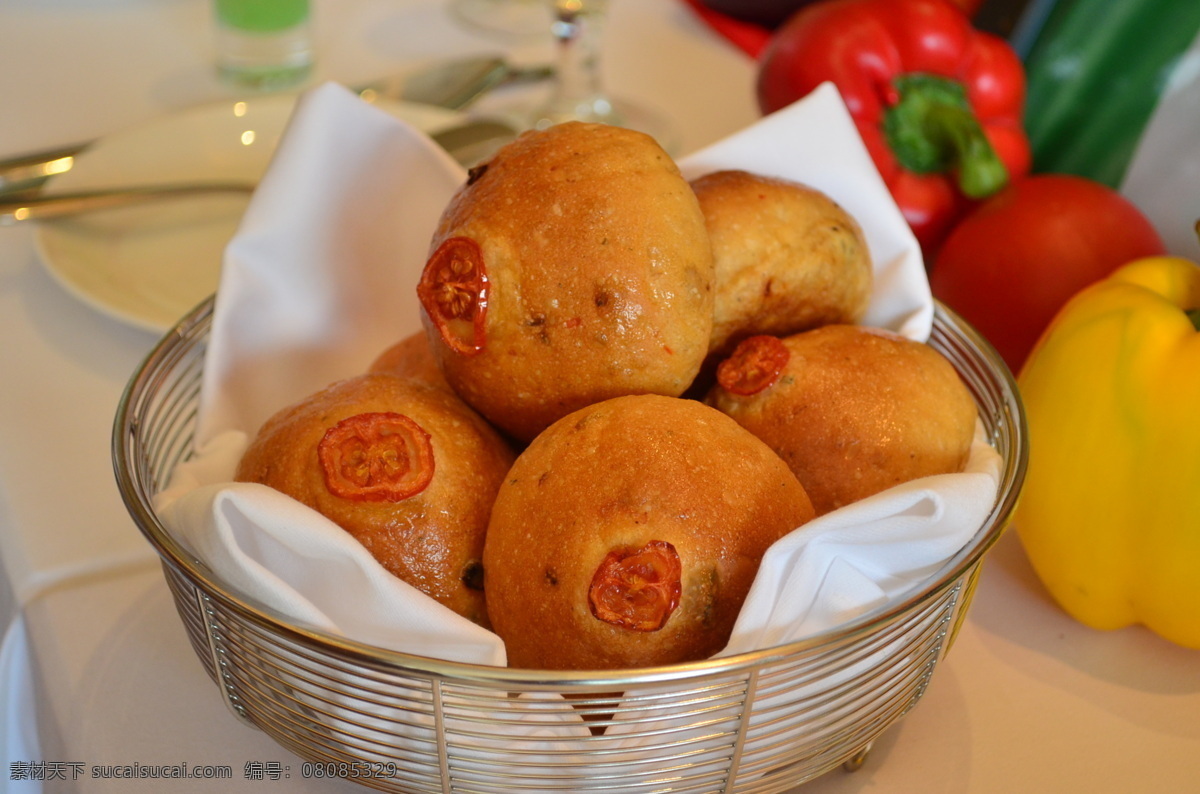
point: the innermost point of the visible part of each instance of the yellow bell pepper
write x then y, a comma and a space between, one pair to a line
1110, 512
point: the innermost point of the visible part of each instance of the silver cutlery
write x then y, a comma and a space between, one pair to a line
45, 207
468, 143
455, 84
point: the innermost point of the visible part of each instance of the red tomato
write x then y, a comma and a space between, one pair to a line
637, 590
453, 290
376, 457
754, 365
1011, 264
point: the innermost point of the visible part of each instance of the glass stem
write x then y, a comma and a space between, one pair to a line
577, 92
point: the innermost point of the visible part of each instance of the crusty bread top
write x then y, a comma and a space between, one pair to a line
599, 275
787, 257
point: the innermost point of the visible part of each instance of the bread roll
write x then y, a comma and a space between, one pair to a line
787, 257
410, 358
853, 410
406, 468
572, 267
629, 532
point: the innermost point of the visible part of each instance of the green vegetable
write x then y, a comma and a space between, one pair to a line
1094, 75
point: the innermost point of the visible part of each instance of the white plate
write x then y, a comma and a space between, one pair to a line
148, 265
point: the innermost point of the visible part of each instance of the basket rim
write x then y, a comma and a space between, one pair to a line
174, 554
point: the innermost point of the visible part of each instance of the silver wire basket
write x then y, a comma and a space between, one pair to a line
756, 722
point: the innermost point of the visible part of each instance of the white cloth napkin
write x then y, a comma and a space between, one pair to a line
321, 277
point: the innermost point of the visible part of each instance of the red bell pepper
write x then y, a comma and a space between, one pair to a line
938, 103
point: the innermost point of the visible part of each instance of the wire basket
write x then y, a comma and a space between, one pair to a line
756, 722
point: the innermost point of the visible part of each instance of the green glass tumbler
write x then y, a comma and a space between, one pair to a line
263, 44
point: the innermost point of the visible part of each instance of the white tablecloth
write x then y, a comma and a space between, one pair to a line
95, 668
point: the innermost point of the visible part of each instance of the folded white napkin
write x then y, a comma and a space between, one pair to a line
321, 278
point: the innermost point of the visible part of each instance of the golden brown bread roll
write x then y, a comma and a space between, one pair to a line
406, 468
853, 410
573, 267
787, 257
410, 358
629, 532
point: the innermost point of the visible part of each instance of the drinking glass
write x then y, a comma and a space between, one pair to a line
263, 44
507, 18
578, 93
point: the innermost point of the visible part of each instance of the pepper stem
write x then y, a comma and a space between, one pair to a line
932, 129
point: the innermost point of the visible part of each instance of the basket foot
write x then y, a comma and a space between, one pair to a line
855, 762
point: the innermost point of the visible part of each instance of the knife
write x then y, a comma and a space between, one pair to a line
454, 84
469, 143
